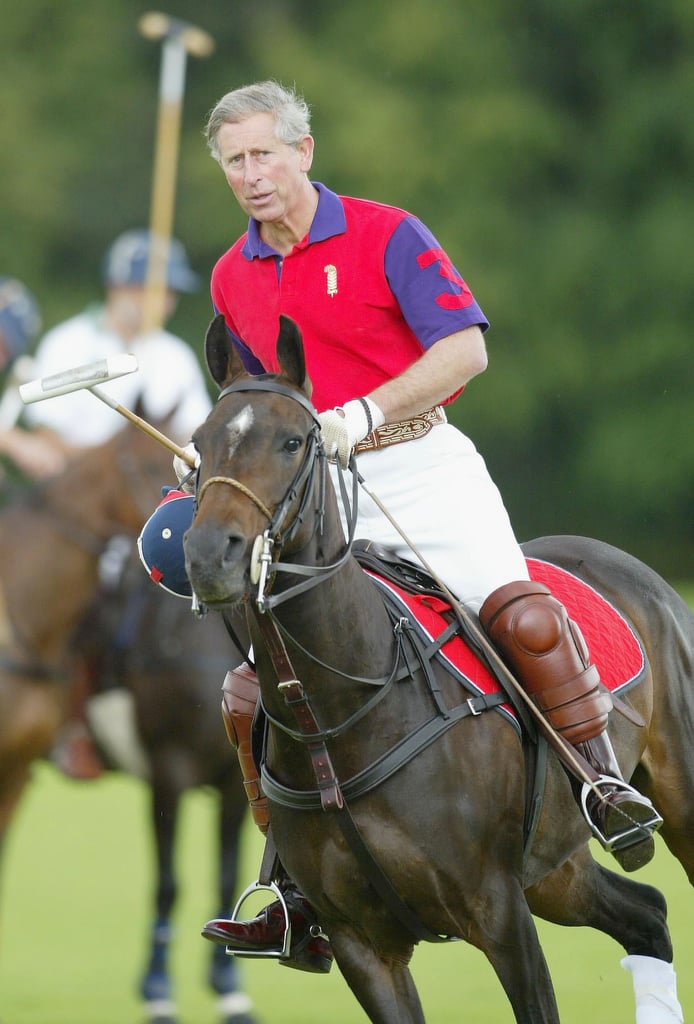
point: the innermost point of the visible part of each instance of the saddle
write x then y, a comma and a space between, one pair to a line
386, 565
404, 573
453, 640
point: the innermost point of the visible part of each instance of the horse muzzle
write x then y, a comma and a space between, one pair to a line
217, 564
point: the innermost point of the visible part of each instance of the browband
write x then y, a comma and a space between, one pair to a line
268, 383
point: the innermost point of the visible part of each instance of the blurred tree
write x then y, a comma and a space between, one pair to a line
548, 145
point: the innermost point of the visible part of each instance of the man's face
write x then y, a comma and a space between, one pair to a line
266, 176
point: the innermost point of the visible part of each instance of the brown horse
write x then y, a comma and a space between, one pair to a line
52, 537
435, 845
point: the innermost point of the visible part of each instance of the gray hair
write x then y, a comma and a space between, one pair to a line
290, 110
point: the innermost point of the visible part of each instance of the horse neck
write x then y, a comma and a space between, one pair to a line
49, 552
340, 622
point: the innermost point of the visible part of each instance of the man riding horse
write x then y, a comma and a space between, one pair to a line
392, 335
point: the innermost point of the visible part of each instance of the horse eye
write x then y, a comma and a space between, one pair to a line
293, 445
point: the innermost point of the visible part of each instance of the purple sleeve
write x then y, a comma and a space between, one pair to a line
249, 360
432, 295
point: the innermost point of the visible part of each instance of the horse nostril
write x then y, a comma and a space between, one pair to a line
235, 546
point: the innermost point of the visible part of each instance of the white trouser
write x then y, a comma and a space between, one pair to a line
439, 492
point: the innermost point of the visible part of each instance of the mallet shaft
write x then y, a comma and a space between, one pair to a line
144, 426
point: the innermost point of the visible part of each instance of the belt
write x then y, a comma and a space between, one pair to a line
403, 430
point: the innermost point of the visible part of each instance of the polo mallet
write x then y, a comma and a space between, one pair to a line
88, 377
179, 38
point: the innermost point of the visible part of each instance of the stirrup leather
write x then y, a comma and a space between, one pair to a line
632, 833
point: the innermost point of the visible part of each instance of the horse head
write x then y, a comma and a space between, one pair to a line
258, 453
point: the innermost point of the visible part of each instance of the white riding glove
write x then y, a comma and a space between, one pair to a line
346, 425
182, 469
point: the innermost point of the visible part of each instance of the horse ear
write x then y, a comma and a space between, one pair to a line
290, 354
223, 361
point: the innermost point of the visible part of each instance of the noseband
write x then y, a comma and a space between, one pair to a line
232, 482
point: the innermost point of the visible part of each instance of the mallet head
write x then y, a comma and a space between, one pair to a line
194, 40
78, 378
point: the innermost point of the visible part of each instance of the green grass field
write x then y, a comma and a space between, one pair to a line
75, 894
75, 898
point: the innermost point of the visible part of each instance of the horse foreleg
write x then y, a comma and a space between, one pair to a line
156, 988
504, 929
234, 1004
383, 985
582, 892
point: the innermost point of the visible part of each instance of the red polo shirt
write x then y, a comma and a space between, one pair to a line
369, 286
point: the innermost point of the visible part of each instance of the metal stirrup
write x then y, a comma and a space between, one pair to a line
281, 954
633, 830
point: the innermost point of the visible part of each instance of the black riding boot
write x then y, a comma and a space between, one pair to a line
286, 929
621, 818
548, 655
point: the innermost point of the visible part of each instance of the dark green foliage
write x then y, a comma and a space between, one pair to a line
548, 145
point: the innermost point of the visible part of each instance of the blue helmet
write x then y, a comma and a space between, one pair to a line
20, 320
160, 543
127, 257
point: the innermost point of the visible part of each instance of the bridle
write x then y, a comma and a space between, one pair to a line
279, 532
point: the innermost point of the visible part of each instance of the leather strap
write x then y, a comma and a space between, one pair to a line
631, 714
297, 701
397, 757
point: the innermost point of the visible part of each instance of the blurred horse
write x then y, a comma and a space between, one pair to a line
172, 664
396, 805
52, 538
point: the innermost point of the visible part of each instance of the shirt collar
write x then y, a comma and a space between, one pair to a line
328, 220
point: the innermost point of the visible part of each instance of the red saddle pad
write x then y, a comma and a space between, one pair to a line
614, 646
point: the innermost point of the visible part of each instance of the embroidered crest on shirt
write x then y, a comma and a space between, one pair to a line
330, 271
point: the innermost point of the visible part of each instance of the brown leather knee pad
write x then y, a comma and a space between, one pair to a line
240, 693
546, 651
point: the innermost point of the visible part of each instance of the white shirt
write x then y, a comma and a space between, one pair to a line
168, 380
